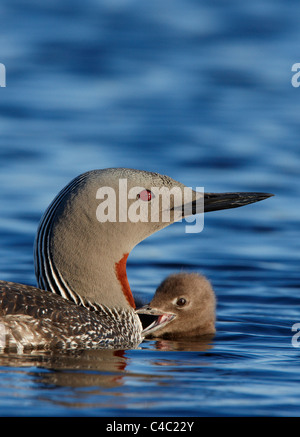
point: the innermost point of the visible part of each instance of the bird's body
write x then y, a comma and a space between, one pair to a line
81, 249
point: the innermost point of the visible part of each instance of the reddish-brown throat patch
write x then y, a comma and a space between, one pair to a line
122, 278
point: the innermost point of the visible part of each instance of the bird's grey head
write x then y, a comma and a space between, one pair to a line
91, 226
89, 229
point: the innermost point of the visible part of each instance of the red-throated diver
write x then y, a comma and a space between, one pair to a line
82, 260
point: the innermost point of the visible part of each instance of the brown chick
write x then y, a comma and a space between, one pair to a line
189, 297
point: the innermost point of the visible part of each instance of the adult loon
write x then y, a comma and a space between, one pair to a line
81, 248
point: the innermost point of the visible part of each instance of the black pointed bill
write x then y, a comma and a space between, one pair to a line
219, 201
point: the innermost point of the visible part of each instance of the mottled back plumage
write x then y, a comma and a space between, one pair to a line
33, 318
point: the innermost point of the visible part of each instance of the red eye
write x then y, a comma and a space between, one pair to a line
145, 195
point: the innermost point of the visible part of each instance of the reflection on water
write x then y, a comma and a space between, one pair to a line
200, 344
99, 374
72, 368
108, 365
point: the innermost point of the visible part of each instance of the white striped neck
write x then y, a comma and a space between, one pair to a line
72, 257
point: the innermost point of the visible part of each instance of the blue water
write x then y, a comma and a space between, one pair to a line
200, 91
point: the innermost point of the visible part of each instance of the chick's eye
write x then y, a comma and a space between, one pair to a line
181, 302
145, 195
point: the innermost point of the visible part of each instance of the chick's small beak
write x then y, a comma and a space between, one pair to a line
153, 319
